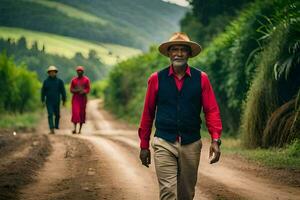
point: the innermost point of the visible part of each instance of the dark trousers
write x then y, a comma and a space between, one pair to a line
53, 109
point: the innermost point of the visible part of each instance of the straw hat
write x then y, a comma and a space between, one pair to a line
180, 38
79, 68
52, 68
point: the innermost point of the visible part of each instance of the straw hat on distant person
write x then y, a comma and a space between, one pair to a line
52, 68
180, 38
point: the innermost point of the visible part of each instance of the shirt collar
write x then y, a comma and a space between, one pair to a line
187, 71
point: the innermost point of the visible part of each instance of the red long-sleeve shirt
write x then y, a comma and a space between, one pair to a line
209, 103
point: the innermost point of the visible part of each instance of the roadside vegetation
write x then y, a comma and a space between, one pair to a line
19, 99
286, 157
20, 121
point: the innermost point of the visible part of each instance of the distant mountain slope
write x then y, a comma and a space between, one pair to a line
135, 23
155, 19
38, 17
70, 11
109, 54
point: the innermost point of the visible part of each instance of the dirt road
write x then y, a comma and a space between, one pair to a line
102, 163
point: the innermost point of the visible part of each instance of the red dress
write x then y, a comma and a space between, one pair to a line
79, 100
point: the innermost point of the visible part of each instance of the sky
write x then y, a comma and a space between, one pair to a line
179, 2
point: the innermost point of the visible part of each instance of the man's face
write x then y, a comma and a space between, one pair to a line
80, 73
179, 55
52, 73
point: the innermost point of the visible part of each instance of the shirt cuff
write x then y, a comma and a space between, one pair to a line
144, 144
144, 141
215, 135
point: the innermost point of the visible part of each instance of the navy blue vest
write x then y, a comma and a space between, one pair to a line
178, 112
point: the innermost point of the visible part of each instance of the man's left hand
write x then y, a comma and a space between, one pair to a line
214, 152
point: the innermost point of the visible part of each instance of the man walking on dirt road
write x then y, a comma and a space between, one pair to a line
53, 90
175, 97
80, 87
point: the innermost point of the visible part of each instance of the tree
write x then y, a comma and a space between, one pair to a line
22, 43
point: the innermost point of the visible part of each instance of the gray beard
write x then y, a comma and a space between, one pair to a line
179, 64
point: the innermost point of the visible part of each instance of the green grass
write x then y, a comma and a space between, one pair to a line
16, 122
284, 158
288, 157
67, 46
71, 11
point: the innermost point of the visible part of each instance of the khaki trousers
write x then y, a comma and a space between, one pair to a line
176, 168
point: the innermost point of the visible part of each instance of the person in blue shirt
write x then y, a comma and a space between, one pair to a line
53, 91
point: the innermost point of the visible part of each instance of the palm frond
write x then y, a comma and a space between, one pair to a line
252, 55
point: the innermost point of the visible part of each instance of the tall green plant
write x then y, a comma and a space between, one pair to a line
267, 118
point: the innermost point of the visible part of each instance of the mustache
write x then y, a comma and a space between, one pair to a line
178, 58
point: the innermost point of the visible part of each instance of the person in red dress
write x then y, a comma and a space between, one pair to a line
80, 87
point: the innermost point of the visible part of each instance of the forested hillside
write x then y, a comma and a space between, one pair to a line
38, 60
208, 19
126, 22
253, 66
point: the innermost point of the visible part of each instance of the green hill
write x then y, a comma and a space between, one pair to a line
135, 23
70, 11
66, 46
154, 19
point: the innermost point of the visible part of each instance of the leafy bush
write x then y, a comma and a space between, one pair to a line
20, 87
127, 83
98, 88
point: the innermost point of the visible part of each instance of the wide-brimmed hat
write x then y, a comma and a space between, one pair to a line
52, 68
79, 68
180, 38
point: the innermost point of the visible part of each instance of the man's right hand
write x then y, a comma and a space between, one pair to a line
214, 152
145, 157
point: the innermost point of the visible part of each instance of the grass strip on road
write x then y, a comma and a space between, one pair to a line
20, 122
287, 157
